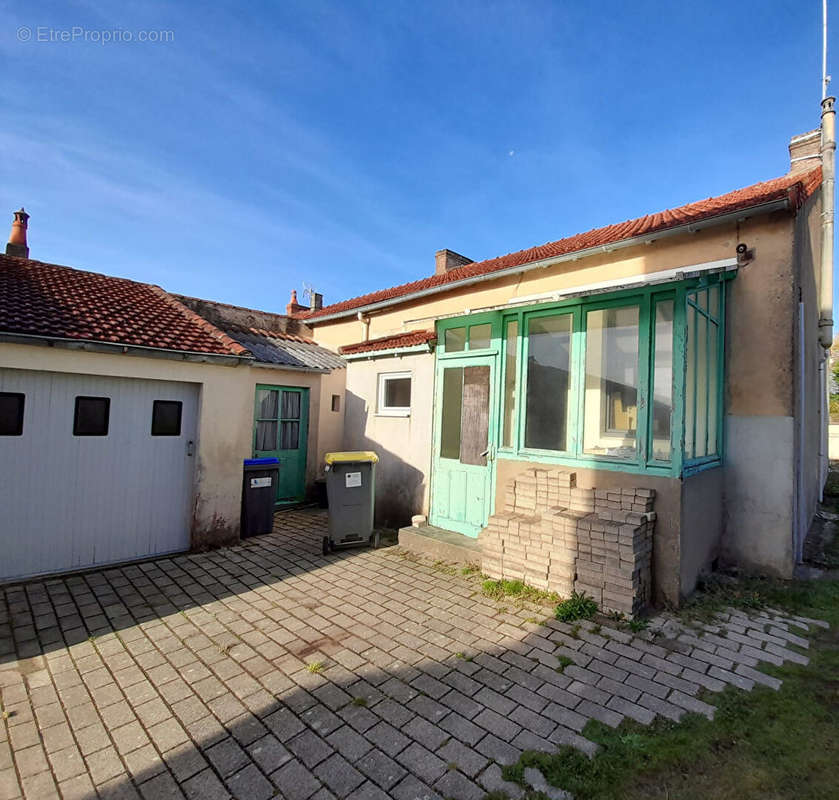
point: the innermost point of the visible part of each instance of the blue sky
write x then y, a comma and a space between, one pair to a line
342, 143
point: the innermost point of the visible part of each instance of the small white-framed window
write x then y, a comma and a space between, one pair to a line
394, 394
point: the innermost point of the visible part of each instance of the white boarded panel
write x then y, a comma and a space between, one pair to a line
68, 502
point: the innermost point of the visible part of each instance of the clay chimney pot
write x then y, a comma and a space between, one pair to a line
17, 245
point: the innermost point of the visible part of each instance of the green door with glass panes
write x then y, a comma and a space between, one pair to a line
465, 430
281, 423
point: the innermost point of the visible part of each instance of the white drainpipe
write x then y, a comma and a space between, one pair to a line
828, 153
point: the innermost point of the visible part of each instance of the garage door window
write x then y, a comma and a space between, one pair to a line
166, 418
11, 413
91, 417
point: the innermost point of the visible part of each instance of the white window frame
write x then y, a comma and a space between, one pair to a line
392, 411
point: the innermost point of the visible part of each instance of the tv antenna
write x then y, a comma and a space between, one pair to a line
308, 291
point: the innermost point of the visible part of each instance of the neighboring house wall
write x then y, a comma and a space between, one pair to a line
810, 391
224, 316
403, 444
225, 420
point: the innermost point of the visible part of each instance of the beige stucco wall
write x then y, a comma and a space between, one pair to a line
761, 323
403, 444
330, 433
225, 420
773, 466
701, 526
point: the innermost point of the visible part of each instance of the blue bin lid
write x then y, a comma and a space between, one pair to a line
252, 462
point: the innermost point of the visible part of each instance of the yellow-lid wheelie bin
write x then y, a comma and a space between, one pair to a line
351, 492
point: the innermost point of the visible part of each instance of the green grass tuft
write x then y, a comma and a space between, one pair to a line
578, 606
564, 662
517, 590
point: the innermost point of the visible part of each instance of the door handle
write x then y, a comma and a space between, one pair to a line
488, 454
190, 448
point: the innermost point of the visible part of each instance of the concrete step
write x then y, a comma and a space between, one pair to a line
440, 544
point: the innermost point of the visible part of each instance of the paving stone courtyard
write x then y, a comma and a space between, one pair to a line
268, 670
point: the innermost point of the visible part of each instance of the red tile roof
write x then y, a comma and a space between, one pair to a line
40, 299
797, 188
399, 340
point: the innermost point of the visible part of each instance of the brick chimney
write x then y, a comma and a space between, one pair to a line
294, 307
17, 238
447, 260
805, 151
317, 301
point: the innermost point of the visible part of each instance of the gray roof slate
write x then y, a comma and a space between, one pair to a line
286, 350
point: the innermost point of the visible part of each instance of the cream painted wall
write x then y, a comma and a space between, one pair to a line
225, 420
402, 443
330, 436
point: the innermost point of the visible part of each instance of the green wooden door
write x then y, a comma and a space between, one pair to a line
463, 476
281, 423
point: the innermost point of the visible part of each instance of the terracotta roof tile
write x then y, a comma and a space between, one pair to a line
797, 187
40, 299
411, 339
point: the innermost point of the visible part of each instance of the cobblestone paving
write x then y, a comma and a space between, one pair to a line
269, 670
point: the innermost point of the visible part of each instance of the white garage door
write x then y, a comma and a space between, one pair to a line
93, 470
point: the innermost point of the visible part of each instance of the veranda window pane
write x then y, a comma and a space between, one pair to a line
548, 382
480, 337
662, 381
690, 379
455, 340
714, 302
701, 385
713, 389
451, 411
511, 361
611, 386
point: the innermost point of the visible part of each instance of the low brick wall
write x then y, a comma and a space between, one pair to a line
555, 536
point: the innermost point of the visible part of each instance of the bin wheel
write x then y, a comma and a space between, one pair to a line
375, 539
326, 545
